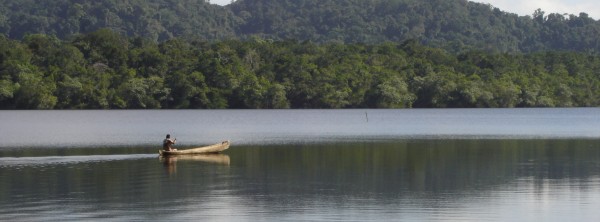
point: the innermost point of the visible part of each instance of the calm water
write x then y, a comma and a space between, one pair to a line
357, 165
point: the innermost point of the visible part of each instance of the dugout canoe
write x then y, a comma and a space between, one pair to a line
215, 148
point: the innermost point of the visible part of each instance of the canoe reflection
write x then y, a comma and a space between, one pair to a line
170, 162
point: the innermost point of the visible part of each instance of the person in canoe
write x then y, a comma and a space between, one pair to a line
168, 143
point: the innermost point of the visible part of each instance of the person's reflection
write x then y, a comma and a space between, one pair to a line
170, 162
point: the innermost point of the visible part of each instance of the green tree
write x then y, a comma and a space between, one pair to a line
34, 91
393, 93
144, 93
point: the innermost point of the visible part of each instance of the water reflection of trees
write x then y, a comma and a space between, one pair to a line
417, 165
394, 169
102, 184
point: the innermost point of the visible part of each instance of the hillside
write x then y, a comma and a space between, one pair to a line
456, 25
152, 19
453, 24
104, 70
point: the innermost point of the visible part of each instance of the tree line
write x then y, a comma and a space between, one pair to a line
455, 25
106, 70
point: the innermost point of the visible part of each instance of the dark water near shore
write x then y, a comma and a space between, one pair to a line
441, 165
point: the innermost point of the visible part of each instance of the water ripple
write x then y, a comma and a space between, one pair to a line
60, 160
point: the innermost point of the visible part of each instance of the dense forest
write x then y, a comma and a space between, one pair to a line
455, 25
142, 54
104, 69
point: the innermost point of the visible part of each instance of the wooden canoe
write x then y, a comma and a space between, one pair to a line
215, 148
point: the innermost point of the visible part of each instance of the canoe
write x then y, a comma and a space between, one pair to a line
215, 148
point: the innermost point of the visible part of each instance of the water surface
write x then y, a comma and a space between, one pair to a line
259, 127
303, 165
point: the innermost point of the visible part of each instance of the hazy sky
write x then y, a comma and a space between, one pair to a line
527, 7
524, 7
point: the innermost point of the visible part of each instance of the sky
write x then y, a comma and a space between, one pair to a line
527, 7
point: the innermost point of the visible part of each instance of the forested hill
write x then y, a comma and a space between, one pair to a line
152, 19
456, 25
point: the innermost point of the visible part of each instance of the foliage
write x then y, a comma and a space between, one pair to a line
455, 25
103, 70
154, 19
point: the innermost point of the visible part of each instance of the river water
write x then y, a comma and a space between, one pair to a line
302, 165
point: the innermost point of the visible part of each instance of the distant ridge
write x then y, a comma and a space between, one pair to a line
456, 25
